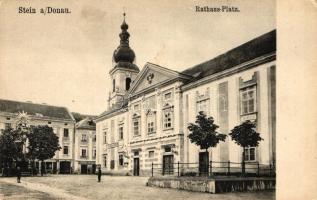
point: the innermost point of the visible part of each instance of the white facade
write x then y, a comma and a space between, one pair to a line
149, 126
63, 161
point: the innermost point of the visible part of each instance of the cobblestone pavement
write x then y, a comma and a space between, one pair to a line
111, 187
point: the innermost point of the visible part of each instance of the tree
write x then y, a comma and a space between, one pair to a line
43, 143
245, 135
203, 132
11, 147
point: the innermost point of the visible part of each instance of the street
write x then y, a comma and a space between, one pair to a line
111, 187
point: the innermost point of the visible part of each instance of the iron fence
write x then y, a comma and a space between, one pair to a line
213, 168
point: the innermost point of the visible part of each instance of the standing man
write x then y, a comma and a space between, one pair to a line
99, 173
18, 174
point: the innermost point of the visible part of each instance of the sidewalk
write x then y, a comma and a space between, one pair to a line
57, 193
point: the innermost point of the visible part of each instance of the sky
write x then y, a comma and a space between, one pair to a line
65, 59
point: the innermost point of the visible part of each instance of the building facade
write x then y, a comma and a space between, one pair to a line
59, 118
149, 110
85, 146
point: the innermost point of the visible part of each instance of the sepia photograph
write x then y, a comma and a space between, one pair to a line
138, 99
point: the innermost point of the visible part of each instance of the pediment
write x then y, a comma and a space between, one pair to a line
152, 76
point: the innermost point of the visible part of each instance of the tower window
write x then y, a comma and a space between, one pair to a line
127, 83
114, 85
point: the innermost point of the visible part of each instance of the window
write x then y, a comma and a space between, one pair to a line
66, 133
136, 126
121, 160
248, 100
136, 153
203, 106
113, 85
151, 154
94, 153
105, 137
94, 138
249, 154
105, 161
167, 119
83, 153
121, 133
84, 138
65, 150
7, 125
127, 83
151, 123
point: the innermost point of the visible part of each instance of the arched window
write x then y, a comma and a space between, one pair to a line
127, 83
114, 85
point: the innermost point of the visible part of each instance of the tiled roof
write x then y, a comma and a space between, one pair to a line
257, 47
86, 123
260, 46
39, 110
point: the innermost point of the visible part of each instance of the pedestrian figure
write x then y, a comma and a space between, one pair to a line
99, 174
18, 174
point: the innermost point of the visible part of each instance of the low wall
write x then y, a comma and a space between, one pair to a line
213, 185
193, 184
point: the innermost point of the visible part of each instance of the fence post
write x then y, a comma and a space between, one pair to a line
152, 169
178, 168
229, 167
258, 169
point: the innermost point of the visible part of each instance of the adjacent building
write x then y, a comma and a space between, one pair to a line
85, 146
59, 118
149, 110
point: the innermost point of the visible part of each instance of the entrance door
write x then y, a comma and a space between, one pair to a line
203, 163
65, 167
168, 167
94, 168
136, 166
83, 169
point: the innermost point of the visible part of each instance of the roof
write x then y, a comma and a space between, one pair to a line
118, 107
260, 46
86, 123
38, 110
257, 47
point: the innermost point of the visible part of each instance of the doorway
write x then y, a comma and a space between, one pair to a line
136, 166
65, 167
83, 169
203, 163
168, 164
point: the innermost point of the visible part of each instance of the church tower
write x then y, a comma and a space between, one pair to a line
124, 70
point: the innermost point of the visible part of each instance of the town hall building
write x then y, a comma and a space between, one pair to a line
149, 109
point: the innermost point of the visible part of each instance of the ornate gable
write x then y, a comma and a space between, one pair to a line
152, 76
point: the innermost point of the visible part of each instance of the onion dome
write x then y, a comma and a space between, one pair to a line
124, 53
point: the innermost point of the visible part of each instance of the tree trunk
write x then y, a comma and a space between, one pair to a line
243, 162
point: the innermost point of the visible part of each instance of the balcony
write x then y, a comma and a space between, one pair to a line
83, 157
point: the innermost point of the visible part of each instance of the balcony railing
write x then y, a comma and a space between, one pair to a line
83, 157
